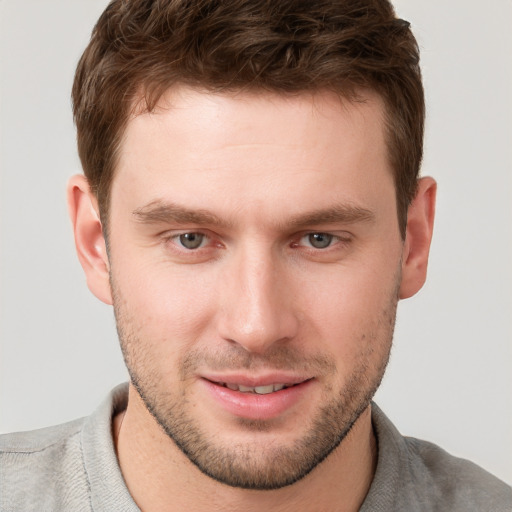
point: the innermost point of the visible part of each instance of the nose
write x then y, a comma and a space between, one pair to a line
257, 304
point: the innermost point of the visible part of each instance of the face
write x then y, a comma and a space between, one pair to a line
255, 264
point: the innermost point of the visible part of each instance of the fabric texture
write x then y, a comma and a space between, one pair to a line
73, 467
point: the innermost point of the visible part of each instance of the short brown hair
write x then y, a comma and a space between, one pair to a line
283, 46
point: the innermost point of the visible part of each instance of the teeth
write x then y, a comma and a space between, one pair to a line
264, 390
260, 390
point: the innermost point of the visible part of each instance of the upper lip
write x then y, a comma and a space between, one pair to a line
256, 380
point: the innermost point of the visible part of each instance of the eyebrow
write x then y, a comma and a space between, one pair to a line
337, 214
165, 212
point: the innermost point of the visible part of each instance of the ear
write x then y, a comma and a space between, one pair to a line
89, 240
420, 223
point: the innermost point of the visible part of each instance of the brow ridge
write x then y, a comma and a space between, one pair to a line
159, 211
167, 212
341, 213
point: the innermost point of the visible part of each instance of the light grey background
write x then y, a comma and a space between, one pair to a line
450, 379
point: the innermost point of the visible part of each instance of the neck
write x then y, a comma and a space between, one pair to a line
161, 478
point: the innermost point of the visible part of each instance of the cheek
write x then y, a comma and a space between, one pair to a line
159, 318
352, 313
164, 304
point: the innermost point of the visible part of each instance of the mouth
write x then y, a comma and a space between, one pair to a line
259, 390
258, 398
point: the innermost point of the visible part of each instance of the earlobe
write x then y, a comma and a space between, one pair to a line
89, 240
420, 224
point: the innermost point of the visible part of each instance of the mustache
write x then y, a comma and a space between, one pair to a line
278, 357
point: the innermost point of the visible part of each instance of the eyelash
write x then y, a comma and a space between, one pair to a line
193, 233
173, 239
334, 241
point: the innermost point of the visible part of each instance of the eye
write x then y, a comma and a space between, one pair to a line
191, 240
318, 240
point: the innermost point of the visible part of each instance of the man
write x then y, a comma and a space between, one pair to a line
251, 208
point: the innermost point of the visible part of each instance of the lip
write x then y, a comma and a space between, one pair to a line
256, 380
252, 405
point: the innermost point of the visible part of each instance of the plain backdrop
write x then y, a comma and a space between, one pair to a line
450, 377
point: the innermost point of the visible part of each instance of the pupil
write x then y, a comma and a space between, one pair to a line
191, 240
320, 240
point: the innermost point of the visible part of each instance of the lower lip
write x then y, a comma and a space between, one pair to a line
257, 407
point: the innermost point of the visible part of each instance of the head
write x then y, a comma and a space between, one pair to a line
140, 49
255, 164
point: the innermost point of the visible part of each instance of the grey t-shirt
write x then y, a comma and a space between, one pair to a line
73, 467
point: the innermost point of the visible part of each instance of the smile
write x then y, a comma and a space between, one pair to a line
260, 390
262, 399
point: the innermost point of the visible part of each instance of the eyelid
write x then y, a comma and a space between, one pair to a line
338, 237
175, 233
169, 237
339, 242
202, 243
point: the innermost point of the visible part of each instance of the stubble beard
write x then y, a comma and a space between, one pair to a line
258, 466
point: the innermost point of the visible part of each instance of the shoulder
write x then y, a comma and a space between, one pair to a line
457, 483
42, 469
35, 441
416, 475
68, 467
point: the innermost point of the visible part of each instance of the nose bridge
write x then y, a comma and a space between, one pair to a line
257, 312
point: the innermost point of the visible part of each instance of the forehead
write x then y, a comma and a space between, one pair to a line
253, 147
245, 112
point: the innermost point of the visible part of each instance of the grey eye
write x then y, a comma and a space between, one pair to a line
320, 240
192, 240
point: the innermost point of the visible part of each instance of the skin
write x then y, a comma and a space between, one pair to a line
256, 299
